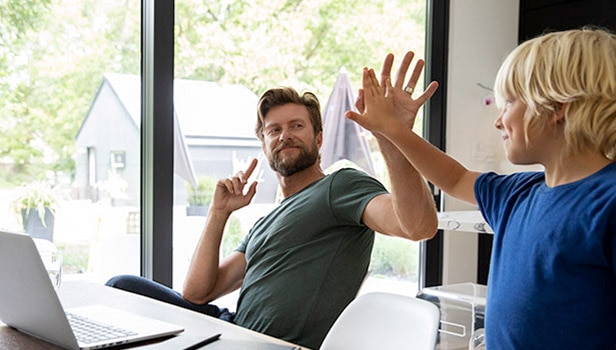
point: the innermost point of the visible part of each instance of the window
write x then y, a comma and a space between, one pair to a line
229, 52
71, 114
70, 129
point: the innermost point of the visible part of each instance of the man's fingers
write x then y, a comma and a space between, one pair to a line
430, 90
252, 190
251, 167
417, 70
404, 67
387, 64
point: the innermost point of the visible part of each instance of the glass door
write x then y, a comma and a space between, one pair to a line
70, 120
230, 52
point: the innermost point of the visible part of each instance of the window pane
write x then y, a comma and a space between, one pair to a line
229, 52
70, 122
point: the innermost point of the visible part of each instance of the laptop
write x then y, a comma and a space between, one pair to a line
29, 303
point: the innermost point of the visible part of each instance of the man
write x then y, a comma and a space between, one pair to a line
300, 265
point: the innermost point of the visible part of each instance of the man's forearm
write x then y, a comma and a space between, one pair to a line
203, 269
412, 200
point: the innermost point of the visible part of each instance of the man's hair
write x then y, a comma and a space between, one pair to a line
280, 96
576, 67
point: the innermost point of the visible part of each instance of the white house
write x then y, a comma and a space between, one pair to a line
217, 122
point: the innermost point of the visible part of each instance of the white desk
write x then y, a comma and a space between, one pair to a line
78, 293
465, 221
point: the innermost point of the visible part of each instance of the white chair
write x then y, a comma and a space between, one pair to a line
385, 321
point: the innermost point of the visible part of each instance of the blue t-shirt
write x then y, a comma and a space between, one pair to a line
552, 281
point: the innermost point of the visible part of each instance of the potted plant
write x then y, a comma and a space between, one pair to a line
200, 196
35, 206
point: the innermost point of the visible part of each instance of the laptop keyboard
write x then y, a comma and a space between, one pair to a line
88, 331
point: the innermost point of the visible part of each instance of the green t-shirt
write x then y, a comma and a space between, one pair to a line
307, 259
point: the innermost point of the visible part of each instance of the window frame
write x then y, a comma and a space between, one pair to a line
157, 74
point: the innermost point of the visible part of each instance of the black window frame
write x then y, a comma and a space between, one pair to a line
157, 74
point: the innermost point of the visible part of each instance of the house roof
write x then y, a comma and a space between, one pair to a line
204, 109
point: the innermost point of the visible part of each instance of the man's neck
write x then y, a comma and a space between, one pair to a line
300, 180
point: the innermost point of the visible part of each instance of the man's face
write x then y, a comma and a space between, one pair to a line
289, 141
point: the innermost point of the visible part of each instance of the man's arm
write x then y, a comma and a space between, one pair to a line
207, 277
410, 198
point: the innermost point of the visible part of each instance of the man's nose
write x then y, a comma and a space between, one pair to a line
285, 134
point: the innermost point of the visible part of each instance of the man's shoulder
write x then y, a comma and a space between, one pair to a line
350, 179
350, 172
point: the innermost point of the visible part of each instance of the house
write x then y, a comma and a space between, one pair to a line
217, 122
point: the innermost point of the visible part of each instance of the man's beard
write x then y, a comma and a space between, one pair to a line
289, 166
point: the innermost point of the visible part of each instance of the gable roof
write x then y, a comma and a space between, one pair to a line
204, 109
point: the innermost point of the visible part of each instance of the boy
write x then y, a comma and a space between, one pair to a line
552, 282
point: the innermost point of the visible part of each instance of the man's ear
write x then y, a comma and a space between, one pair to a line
319, 138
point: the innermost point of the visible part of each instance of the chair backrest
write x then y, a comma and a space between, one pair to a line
385, 321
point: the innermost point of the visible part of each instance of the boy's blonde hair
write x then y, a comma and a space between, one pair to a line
577, 67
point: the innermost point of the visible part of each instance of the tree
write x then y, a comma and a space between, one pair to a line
51, 71
50, 94
304, 44
17, 18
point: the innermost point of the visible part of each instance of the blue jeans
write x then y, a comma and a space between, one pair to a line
143, 286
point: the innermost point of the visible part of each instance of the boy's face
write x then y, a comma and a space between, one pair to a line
511, 125
289, 141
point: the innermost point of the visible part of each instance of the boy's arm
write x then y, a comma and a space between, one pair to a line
442, 170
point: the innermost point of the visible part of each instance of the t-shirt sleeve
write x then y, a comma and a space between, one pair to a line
485, 194
351, 191
492, 190
242, 247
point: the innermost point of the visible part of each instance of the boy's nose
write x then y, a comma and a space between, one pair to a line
498, 123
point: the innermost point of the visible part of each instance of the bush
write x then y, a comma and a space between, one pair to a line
232, 237
203, 193
394, 257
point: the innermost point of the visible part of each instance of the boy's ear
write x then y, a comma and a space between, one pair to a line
559, 115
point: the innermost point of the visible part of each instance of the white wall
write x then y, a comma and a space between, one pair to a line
481, 34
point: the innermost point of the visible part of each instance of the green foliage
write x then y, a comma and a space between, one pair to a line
232, 237
304, 44
36, 195
203, 193
50, 72
44, 98
394, 256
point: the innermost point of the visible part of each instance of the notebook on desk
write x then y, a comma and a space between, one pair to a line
29, 303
